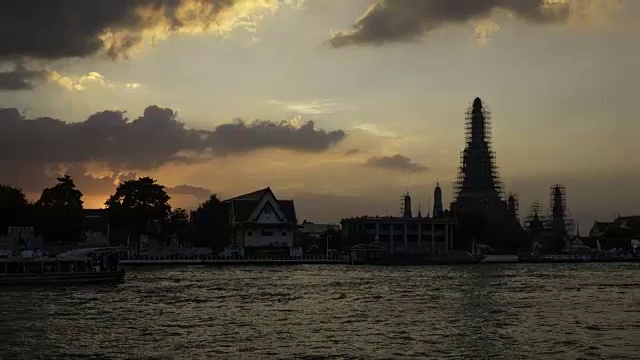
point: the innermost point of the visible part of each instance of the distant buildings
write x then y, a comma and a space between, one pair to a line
313, 230
551, 232
403, 234
621, 233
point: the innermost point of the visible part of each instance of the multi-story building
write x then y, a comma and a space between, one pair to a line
404, 234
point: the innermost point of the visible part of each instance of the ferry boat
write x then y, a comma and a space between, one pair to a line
491, 258
84, 266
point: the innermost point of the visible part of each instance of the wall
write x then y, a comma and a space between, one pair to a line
258, 237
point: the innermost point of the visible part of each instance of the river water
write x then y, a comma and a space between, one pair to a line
508, 311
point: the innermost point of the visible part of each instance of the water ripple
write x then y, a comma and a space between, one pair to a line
333, 312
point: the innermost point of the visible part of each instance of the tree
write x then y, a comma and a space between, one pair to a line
137, 205
60, 213
179, 219
14, 208
179, 223
212, 223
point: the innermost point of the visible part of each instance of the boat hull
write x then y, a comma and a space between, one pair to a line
500, 259
61, 279
553, 259
453, 261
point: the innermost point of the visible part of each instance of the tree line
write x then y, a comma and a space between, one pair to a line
137, 207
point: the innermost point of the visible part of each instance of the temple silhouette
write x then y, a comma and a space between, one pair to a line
437, 201
479, 201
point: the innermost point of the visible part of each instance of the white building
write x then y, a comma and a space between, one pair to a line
262, 224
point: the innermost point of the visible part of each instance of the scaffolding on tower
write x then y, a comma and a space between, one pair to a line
405, 205
513, 203
535, 220
559, 215
478, 170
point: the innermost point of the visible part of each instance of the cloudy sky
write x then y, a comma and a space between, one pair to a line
339, 104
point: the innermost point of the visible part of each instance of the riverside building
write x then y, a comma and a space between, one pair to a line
406, 234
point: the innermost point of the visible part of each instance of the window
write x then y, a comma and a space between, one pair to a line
284, 233
267, 209
266, 233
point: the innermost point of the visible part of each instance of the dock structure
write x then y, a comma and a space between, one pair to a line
227, 262
408, 235
147, 260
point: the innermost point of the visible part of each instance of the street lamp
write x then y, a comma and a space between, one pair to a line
328, 237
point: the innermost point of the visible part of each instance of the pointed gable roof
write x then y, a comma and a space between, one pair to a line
289, 210
256, 195
601, 226
244, 206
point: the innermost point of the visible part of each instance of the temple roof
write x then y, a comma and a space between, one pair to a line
601, 226
627, 227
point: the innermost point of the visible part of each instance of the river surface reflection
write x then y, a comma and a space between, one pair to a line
516, 311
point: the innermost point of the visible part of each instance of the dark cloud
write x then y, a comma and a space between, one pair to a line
353, 151
396, 162
240, 137
406, 20
32, 179
55, 29
154, 139
21, 78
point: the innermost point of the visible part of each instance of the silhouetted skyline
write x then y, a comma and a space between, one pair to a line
386, 94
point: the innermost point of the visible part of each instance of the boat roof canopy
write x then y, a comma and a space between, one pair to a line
42, 259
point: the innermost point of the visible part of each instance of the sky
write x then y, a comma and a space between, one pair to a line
340, 105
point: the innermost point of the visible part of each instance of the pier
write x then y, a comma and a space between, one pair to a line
169, 260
